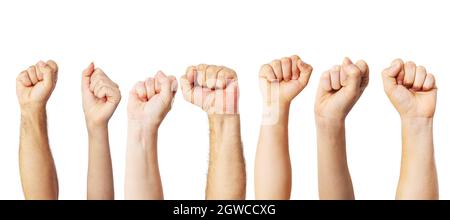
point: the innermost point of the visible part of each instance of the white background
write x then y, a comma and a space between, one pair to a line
131, 40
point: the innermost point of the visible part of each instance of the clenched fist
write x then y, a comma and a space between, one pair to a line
282, 80
150, 101
35, 85
100, 96
212, 88
411, 89
340, 88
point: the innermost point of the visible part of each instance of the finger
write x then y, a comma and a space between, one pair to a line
228, 75
97, 92
343, 76
286, 67
97, 77
267, 73
410, 74
191, 73
86, 75
23, 79
353, 76
110, 94
201, 75
164, 82
305, 72
295, 70
173, 84
186, 88
211, 76
49, 77
390, 75
334, 76
419, 79
141, 91
53, 66
364, 68
325, 82
33, 75
276, 66
159, 74
430, 82
150, 87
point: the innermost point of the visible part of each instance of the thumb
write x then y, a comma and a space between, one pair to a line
86, 75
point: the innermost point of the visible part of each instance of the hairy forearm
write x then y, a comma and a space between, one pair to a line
100, 173
272, 163
334, 177
418, 178
37, 169
226, 172
142, 178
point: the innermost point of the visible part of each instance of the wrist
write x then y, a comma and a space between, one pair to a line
140, 127
275, 113
32, 109
326, 122
96, 127
417, 123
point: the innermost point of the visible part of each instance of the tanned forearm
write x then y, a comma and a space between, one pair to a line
142, 179
273, 165
100, 176
226, 172
334, 177
37, 169
418, 178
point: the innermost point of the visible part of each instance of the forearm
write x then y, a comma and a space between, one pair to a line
272, 163
37, 169
142, 178
226, 172
100, 173
334, 177
418, 178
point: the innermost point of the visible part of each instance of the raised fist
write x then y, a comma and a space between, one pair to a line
35, 85
282, 80
150, 101
100, 96
411, 89
340, 88
212, 88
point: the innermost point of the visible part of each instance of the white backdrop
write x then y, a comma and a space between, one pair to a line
131, 40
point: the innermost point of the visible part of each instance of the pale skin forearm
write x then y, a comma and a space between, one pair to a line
142, 178
418, 178
226, 172
37, 169
100, 174
272, 163
334, 177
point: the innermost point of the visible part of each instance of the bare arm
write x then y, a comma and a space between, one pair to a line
418, 177
100, 173
280, 82
37, 169
413, 93
226, 172
143, 180
100, 99
339, 90
273, 163
334, 177
149, 103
